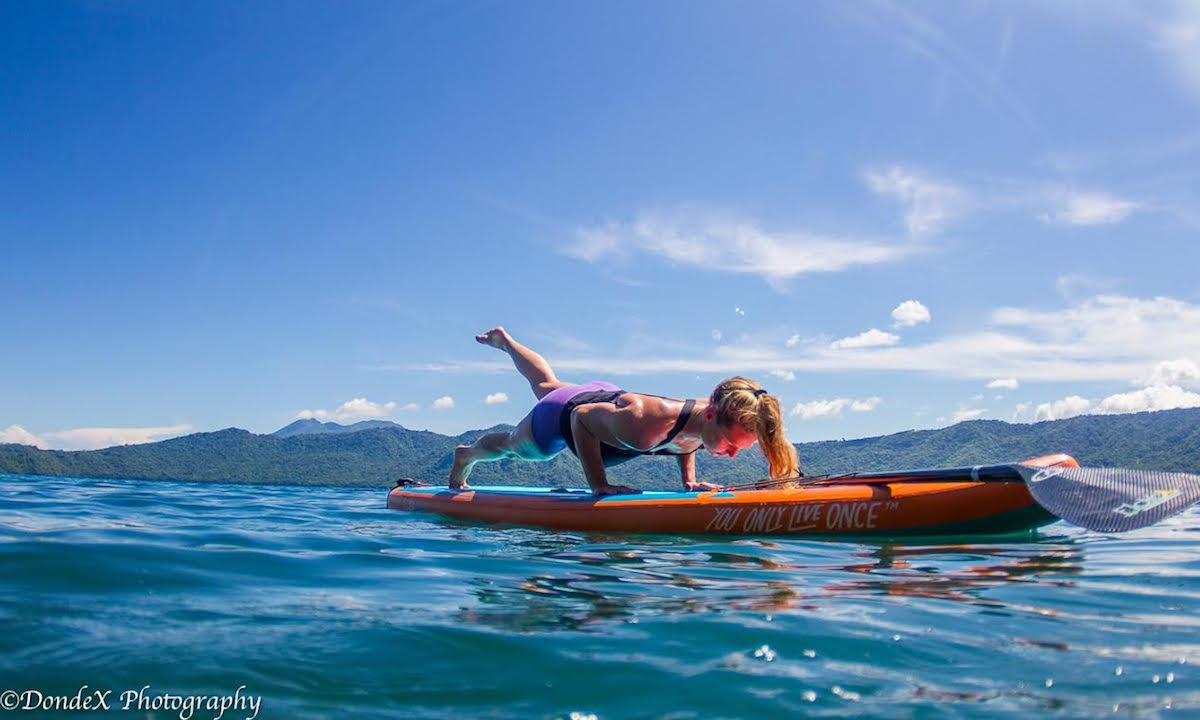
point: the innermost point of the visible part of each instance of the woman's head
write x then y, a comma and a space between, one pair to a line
744, 412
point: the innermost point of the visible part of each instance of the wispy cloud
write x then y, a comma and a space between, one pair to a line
1107, 338
352, 410
100, 437
453, 366
445, 402
723, 244
784, 375
496, 398
1072, 285
1113, 326
92, 438
1020, 410
1004, 383
1090, 208
928, 204
903, 24
870, 338
1178, 38
967, 414
815, 409
562, 341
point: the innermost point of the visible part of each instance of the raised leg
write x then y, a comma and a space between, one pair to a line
532, 366
495, 446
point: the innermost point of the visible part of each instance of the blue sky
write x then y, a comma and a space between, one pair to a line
895, 215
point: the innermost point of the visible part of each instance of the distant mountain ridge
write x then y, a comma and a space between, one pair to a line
379, 453
312, 426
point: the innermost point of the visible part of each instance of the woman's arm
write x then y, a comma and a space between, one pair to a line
687, 470
587, 445
590, 425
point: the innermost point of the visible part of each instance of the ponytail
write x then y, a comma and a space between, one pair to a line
741, 401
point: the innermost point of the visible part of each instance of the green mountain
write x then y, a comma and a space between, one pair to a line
313, 426
376, 456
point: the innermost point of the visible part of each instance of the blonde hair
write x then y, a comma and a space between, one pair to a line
741, 401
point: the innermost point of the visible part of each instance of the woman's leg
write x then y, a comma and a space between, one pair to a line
517, 444
532, 366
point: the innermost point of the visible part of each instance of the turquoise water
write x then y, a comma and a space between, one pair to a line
322, 603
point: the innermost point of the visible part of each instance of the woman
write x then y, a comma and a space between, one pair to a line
604, 425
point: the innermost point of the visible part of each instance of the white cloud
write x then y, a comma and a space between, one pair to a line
1005, 383
1112, 326
928, 203
1180, 371
739, 311
733, 245
97, 437
1020, 411
1061, 409
1155, 397
784, 375
445, 402
870, 338
866, 405
92, 438
967, 414
408, 407
909, 313
716, 335
832, 408
351, 410
793, 341
1091, 208
819, 408
496, 398
20, 436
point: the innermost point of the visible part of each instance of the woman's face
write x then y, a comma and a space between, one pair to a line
728, 440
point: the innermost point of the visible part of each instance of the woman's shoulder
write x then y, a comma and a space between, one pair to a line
650, 405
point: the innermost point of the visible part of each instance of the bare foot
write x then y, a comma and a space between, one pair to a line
497, 337
604, 490
461, 468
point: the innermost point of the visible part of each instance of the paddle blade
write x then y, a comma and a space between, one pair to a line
1111, 499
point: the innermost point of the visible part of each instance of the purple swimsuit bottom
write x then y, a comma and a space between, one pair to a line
547, 414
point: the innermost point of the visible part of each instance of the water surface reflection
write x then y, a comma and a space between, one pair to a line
581, 584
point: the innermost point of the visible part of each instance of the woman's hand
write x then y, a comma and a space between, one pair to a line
694, 486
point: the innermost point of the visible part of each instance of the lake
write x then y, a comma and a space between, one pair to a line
187, 600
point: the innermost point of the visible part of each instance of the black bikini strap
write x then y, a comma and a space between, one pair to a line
684, 415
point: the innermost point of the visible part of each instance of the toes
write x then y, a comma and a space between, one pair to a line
496, 337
